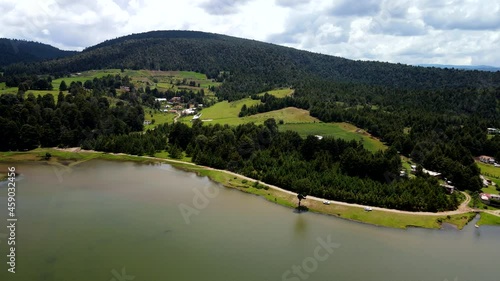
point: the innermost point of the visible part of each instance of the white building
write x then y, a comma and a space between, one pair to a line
188, 111
493, 131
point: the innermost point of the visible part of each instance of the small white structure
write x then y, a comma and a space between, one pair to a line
485, 181
449, 188
147, 122
161, 99
493, 131
319, 137
197, 116
189, 111
431, 173
487, 159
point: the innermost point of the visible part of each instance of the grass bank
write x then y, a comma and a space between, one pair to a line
380, 218
488, 219
376, 217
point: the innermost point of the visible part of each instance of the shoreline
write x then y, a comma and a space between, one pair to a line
354, 212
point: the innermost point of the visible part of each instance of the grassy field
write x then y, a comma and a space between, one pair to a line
488, 219
64, 156
165, 155
225, 112
158, 116
221, 116
289, 114
489, 170
139, 78
281, 93
295, 119
490, 189
338, 130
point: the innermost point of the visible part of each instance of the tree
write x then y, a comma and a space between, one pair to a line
175, 152
300, 197
63, 87
28, 136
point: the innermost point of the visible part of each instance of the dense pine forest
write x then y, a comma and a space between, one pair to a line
437, 117
16, 51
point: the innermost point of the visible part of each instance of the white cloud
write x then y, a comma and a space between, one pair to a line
223, 7
291, 3
407, 31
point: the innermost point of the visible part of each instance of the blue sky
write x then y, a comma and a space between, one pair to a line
465, 32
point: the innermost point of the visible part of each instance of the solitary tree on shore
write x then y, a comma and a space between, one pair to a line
300, 197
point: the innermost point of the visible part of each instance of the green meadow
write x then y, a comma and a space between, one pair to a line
489, 219
158, 116
489, 170
163, 80
281, 93
226, 112
338, 130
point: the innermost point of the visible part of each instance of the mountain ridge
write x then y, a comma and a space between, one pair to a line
463, 67
16, 51
254, 66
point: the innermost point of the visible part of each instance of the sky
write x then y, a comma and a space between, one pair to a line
457, 32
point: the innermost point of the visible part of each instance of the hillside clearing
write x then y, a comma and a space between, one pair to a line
489, 170
338, 130
280, 93
227, 112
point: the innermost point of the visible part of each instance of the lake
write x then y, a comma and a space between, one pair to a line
122, 221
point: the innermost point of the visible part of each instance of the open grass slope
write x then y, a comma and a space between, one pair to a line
491, 189
289, 114
64, 157
226, 112
382, 218
163, 80
338, 130
294, 119
489, 170
280, 93
489, 219
159, 117
13, 90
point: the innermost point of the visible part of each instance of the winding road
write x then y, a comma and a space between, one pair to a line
177, 117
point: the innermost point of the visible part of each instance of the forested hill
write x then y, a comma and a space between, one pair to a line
254, 66
15, 51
